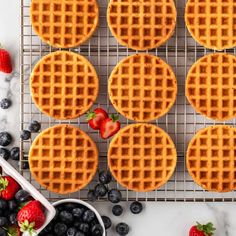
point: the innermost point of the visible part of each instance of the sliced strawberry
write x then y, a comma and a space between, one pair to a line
5, 61
96, 117
202, 230
110, 126
8, 187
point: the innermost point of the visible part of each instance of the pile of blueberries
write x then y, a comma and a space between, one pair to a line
114, 196
14, 153
73, 219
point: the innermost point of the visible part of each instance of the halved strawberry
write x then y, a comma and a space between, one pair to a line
96, 117
5, 61
110, 126
202, 230
8, 187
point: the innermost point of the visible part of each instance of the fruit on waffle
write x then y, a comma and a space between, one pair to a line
211, 86
212, 22
141, 25
63, 159
63, 23
142, 87
142, 157
211, 158
64, 85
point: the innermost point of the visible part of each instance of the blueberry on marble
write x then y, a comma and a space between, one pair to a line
4, 153
117, 210
5, 139
114, 196
136, 207
122, 229
5, 103
15, 153
34, 126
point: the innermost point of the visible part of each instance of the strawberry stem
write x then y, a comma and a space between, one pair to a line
114, 117
90, 115
207, 229
3, 183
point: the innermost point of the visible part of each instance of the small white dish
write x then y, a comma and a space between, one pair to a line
49, 209
83, 203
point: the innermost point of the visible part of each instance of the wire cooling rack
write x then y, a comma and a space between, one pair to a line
181, 123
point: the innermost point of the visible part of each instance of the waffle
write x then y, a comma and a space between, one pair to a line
211, 158
142, 87
142, 157
211, 86
63, 159
64, 23
64, 85
212, 22
141, 25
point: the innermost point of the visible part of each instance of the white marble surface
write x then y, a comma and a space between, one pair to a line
166, 219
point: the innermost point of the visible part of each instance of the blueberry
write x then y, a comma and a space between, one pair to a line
5, 139
114, 196
117, 210
3, 221
91, 196
25, 135
4, 153
24, 165
136, 207
22, 196
66, 217
107, 222
88, 216
71, 231
5, 103
3, 204
60, 229
84, 227
13, 218
97, 230
78, 212
80, 234
105, 177
15, 154
34, 126
3, 232
122, 229
12, 205
100, 190
1, 212
70, 206
48, 228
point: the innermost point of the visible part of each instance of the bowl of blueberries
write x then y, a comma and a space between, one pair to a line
75, 217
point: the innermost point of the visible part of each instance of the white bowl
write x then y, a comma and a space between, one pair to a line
83, 203
49, 209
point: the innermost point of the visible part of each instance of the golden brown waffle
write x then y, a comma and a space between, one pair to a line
63, 23
64, 85
142, 157
211, 158
142, 87
212, 22
211, 86
63, 159
141, 25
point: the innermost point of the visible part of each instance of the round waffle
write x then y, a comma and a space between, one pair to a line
211, 158
211, 86
63, 159
64, 85
212, 22
63, 23
142, 157
142, 87
141, 25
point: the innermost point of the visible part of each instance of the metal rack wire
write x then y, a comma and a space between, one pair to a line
181, 51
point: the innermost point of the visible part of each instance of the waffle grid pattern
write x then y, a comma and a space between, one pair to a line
142, 25
63, 159
142, 157
71, 23
64, 85
142, 87
211, 86
211, 158
212, 22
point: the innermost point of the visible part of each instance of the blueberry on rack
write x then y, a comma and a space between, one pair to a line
100, 190
25, 134
34, 126
105, 177
15, 153
91, 196
114, 196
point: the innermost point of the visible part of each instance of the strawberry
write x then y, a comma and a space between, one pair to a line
8, 187
13, 230
5, 61
96, 117
31, 216
202, 230
110, 126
